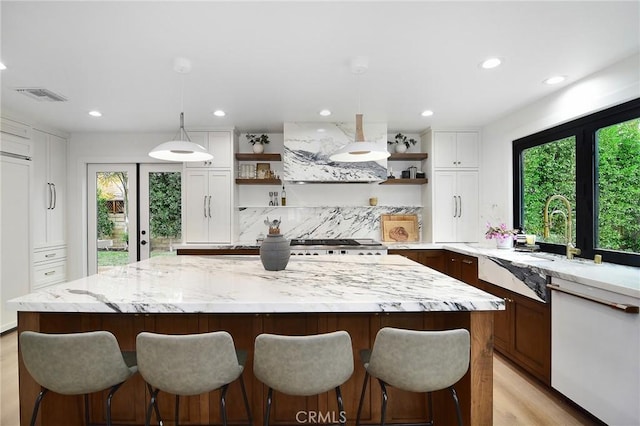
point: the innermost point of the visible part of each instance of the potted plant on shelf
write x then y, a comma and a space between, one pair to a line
504, 237
402, 143
258, 142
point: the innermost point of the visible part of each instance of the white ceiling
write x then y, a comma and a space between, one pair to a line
266, 62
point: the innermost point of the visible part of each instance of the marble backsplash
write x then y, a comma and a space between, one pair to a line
318, 222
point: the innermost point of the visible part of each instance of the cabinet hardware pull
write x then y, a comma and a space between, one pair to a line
50, 255
630, 309
50, 196
455, 207
50, 273
209, 205
204, 206
468, 262
460, 208
55, 196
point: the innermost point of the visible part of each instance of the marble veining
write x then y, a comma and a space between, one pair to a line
319, 222
307, 151
239, 284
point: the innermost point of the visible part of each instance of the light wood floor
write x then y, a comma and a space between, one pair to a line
517, 399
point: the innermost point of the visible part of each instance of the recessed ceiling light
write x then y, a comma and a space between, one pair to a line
427, 113
555, 79
491, 63
2, 66
219, 113
95, 113
325, 113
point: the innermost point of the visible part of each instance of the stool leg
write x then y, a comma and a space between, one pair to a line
341, 419
268, 410
152, 404
246, 401
384, 402
455, 399
223, 404
109, 397
155, 404
86, 409
430, 401
177, 409
364, 388
36, 406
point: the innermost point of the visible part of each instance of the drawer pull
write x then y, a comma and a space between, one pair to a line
50, 255
630, 309
50, 273
468, 262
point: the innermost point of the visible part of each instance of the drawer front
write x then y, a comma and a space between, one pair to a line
49, 274
50, 255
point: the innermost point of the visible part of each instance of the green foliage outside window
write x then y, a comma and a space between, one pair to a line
618, 187
165, 204
549, 169
105, 224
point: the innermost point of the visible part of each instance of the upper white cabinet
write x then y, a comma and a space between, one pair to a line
49, 189
219, 144
452, 149
15, 128
207, 206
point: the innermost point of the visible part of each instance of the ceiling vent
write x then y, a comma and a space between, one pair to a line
41, 95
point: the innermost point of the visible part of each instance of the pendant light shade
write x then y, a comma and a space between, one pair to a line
360, 150
181, 149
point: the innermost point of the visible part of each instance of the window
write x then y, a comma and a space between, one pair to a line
593, 163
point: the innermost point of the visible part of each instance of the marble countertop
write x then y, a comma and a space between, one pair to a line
239, 284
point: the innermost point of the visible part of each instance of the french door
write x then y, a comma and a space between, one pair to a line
134, 212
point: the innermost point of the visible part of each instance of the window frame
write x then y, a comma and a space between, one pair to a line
584, 130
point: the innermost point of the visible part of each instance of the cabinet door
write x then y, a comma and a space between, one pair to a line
219, 207
445, 150
56, 227
196, 217
444, 207
41, 190
201, 138
220, 147
467, 149
468, 211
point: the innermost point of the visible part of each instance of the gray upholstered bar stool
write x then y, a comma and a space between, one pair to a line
303, 365
190, 364
75, 364
416, 361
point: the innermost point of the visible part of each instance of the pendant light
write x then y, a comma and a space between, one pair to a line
181, 149
360, 150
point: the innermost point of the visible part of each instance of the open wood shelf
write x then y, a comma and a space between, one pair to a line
258, 181
408, 156
250, 156
421, 181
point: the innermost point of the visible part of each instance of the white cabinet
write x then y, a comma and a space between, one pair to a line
455, 149
595, 351
455, 206
207, 206
15, 246
219, 144
49, 189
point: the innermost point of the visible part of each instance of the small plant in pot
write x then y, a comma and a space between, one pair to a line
402, 143
258, 142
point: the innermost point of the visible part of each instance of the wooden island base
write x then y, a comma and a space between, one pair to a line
475, 390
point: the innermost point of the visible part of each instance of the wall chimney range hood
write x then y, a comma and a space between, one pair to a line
308, 146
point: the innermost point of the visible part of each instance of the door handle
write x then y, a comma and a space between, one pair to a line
143, 243
55, 196
204, 206
455, 207
209, 206
50, 195
460, 208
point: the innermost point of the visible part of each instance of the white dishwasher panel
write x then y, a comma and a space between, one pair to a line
595, 353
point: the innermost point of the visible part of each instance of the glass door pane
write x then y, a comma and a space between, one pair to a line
112, 216
160, 209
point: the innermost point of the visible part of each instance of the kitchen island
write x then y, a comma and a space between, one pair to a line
194, 294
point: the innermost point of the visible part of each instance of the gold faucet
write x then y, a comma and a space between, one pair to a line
571, 249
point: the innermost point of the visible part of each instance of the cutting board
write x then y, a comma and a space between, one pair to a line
399, 227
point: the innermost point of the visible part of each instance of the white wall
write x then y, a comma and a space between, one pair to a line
608, 87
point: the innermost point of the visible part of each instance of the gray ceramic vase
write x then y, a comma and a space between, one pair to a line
275, 252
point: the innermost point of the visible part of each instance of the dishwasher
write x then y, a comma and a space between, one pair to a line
595, 350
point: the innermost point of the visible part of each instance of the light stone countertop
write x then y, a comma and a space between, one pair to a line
239, 284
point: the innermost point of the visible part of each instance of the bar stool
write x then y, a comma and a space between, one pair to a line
75, 364
303, 365
416, 361
190, 364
